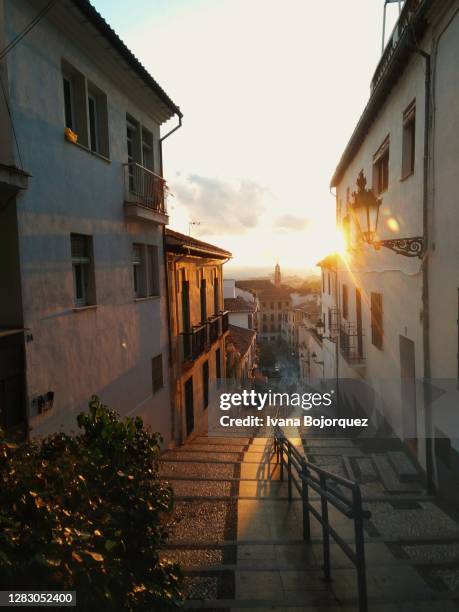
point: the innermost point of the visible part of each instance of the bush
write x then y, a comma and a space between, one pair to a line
87, 513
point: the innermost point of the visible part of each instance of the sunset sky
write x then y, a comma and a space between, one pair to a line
270, 93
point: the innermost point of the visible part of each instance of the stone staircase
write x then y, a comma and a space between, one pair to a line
240, 542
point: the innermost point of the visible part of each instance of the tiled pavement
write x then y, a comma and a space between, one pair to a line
240, 542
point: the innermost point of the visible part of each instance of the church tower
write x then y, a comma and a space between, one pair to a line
277, 276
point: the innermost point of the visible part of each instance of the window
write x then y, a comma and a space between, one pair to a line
153, 269
75, 113
345, 302
83, 269
278, 328
273, 327
98, 120
272, 317
279, 317
272, 305
147, 149
250, 321
218, 367
205, 384
157, 373
279, 305
286, 303
68, 102
264, 317
138, 267
265, 328
203, 296
85, 110
145, 266
263, 304
381, 168
408, 145
376, 320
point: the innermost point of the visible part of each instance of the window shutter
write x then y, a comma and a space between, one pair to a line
376, 320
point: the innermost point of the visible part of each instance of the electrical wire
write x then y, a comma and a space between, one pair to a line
8, 108
38, 17
17, 39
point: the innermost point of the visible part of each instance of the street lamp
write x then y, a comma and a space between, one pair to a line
365, 211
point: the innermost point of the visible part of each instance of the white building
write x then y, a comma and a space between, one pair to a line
82, 217
241, 305
395, 316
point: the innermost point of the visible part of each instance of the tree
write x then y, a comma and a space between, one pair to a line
88, 513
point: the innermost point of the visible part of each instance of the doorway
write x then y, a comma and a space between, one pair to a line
189, 406
12, 386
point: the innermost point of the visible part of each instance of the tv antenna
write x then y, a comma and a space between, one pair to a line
386, 2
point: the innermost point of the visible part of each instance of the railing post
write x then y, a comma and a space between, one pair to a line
282, 460
360, 549
289, 469
325, 526
305, 502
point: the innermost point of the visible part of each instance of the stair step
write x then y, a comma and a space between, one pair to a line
389, 476
404, 467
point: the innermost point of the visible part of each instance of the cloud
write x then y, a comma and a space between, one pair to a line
291, 222
220, 207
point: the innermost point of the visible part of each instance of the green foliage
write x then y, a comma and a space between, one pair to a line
88, 513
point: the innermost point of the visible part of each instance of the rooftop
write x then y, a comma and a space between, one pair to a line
187, 245
241, 338
91, 16
238, 304
410, 27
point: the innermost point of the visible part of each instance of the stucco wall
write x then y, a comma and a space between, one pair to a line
107, 350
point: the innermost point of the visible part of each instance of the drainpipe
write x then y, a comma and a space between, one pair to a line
179, 114
425, 271
168, 307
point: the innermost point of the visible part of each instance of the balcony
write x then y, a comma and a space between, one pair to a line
225, 321
351, 344
194, 343
12, 181
214, 328
144, 194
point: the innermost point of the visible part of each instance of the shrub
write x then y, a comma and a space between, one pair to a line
87, 513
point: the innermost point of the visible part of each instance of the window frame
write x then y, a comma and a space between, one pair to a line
381, 167
409, 140
84, 263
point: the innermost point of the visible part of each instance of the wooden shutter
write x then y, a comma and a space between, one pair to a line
376, 320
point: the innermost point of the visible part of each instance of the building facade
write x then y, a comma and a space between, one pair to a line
394, 308
242, 310
198, 329
241, 353
82, 217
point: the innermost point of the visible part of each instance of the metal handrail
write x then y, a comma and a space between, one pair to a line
308, 475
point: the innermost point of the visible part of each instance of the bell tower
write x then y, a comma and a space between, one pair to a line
277, 276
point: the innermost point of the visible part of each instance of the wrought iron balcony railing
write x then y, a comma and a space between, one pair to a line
214, 328
144, 187
225, 321
194, 343
351, 343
